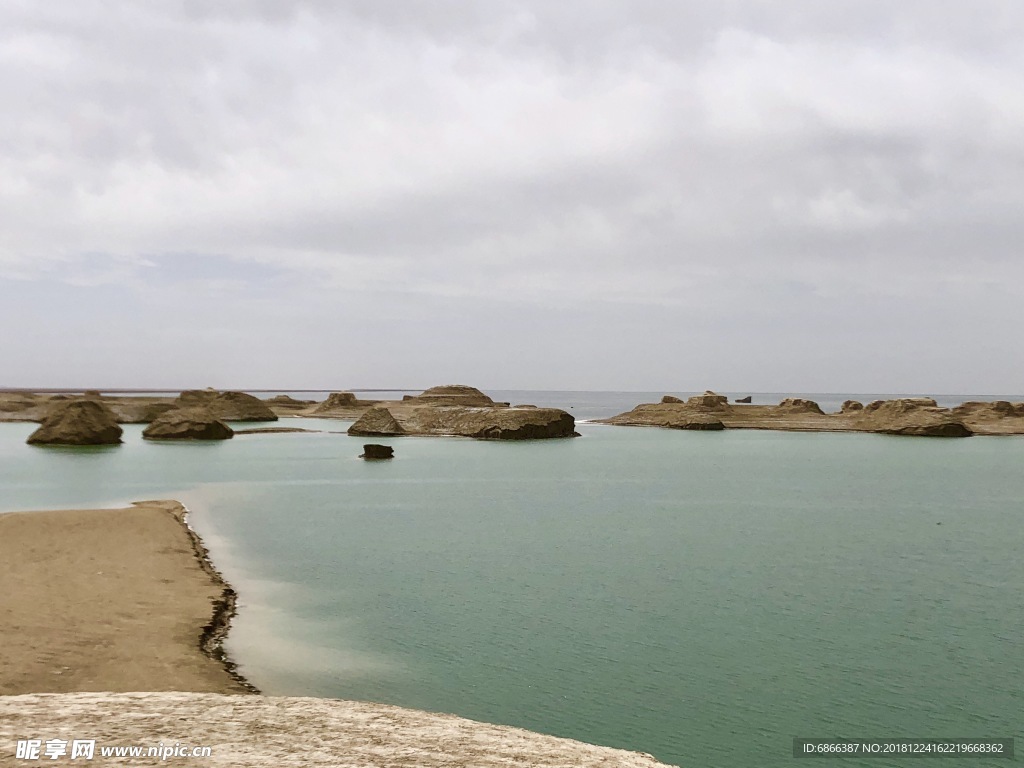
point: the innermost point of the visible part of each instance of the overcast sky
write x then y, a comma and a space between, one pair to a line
654, 195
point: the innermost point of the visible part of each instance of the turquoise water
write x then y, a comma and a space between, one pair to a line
704, 597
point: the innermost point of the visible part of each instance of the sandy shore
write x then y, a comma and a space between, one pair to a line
109, 627
110, 600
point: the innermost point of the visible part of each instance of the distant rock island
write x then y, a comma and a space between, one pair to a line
450, 410
77, 422
461, 411
464, 411
918, 416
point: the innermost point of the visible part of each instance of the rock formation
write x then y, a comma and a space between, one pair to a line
376, 451
453, 394
227, 406
670, 399
188, 424
799, 404
919, 416
908, 416
507, 423
275, 732
18, 402
708, 400
376, 421
849, 406
491, 423
77, 422
699, 422
745, 400
338, 400
139, 410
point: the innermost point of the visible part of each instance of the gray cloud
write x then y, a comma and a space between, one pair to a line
736, 176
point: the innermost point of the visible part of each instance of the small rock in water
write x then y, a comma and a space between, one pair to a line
374, 451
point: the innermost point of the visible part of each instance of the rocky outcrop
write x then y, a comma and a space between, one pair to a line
376, 421
708, 400
799, 404
698, 422
267, 732
337, 400
493, 423
20, 402
139, 410
77, 422
376, 451
745, 400
288, 405
188, 424
918, 416
908, 416
509, 423
453, 394
997, 409
671, 399
227, 406
850, 406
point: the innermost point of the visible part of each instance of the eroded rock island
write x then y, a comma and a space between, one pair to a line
918, 416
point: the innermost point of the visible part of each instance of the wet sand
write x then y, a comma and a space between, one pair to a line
110, 600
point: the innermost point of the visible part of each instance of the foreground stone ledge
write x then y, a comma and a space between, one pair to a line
258, 732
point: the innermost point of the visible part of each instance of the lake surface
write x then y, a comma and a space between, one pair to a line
704, 597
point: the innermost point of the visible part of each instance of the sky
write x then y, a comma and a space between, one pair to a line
668, 195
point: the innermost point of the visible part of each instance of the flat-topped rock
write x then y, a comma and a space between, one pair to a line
453, 394
227, 406
372, 451
491, 423
188, 424
800, 404
699, 422
904, 416
77, 422
919, 417
708, 400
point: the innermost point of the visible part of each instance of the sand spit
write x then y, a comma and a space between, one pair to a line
110, 600
251, 731
100, 604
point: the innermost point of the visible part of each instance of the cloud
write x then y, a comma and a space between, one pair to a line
717, 161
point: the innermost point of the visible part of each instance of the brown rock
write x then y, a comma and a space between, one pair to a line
916, 416
337, 400
708, 400
77, 422
745, 400
698, 421
997, 409
227, 406
288, 400
671, 399
799, 404
376, 421
453, 394
141, 412
850, 406
375, 451
188, 424
513, 424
